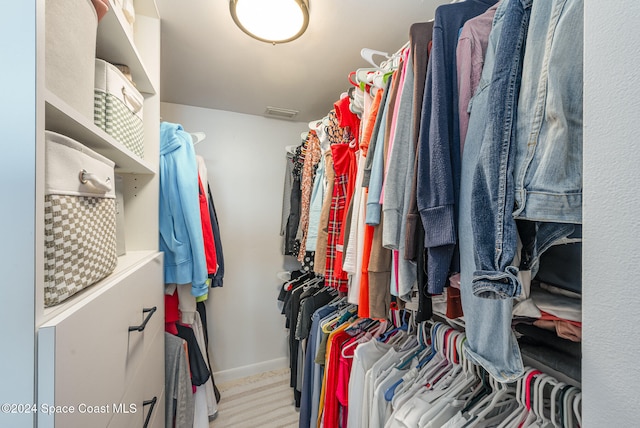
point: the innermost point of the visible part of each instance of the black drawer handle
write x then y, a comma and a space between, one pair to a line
151, 402
141, 327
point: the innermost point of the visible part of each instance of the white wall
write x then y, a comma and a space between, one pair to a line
245, 159
611, 266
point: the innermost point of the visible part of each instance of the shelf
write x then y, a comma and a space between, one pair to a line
61, 118
534, 356
147, 8
116, 46
126, 263
532, 361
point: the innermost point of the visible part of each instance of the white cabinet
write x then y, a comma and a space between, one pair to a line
81, 351
98, 350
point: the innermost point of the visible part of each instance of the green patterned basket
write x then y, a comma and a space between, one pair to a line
115, 118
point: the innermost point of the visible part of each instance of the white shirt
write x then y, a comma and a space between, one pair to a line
364, 358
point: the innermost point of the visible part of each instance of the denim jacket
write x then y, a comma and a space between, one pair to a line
531, 160
548, 165
490, 340
494, 228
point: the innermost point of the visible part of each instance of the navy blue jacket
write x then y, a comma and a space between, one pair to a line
439, 143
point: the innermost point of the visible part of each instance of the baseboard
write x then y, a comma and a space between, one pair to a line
250, 370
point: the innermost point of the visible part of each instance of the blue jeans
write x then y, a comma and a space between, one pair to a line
494, 228
312, 372
490, 340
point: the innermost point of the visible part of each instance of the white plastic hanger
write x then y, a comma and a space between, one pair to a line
459, 378
197, 137
367, 54
577, 408
520, 413
538, 404
501, 397
567, 401
554, 407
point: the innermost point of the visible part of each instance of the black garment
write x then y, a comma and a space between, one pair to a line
282, 296
299, 275
561, 265
291, 244
307, 261
293, 342
199, 371
308, 306
285, 293
547, 348
202, 310
292, 292
425, 307
302, 287
216, 278
420, 35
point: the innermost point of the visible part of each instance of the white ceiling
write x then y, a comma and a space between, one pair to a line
208, 62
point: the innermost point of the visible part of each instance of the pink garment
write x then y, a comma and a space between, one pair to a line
567, 330
550, 317
454, 281
394, 118
396, 263
102, 7
472, 47
563, 329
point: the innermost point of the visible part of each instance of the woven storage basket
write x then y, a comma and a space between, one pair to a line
70, 51
118, 107
79, 216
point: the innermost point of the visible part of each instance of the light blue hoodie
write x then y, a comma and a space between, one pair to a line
180, 224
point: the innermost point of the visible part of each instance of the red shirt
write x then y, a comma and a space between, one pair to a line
207, 232
346, 119
331, 412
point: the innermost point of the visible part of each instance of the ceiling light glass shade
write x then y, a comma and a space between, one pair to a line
272, 21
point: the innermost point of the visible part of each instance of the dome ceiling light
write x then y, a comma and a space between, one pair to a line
271, 21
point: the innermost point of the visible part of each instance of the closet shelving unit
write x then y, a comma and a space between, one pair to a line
84, 353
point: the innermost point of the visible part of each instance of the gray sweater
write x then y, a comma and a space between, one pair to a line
179, 400
398, 187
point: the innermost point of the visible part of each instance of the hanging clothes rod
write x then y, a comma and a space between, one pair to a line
367, 53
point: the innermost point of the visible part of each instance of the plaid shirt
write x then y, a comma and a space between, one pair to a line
334, 275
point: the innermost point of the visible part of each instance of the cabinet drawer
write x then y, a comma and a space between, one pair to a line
147, 386
87, 356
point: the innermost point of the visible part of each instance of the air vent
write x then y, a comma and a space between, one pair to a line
280, 113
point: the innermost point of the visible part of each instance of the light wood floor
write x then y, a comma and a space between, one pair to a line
264, 400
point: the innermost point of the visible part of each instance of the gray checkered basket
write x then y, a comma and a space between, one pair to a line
118, 107
79, 218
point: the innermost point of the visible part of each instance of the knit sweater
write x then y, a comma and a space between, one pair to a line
439, 144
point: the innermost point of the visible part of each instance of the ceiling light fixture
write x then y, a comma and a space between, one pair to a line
271, 21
